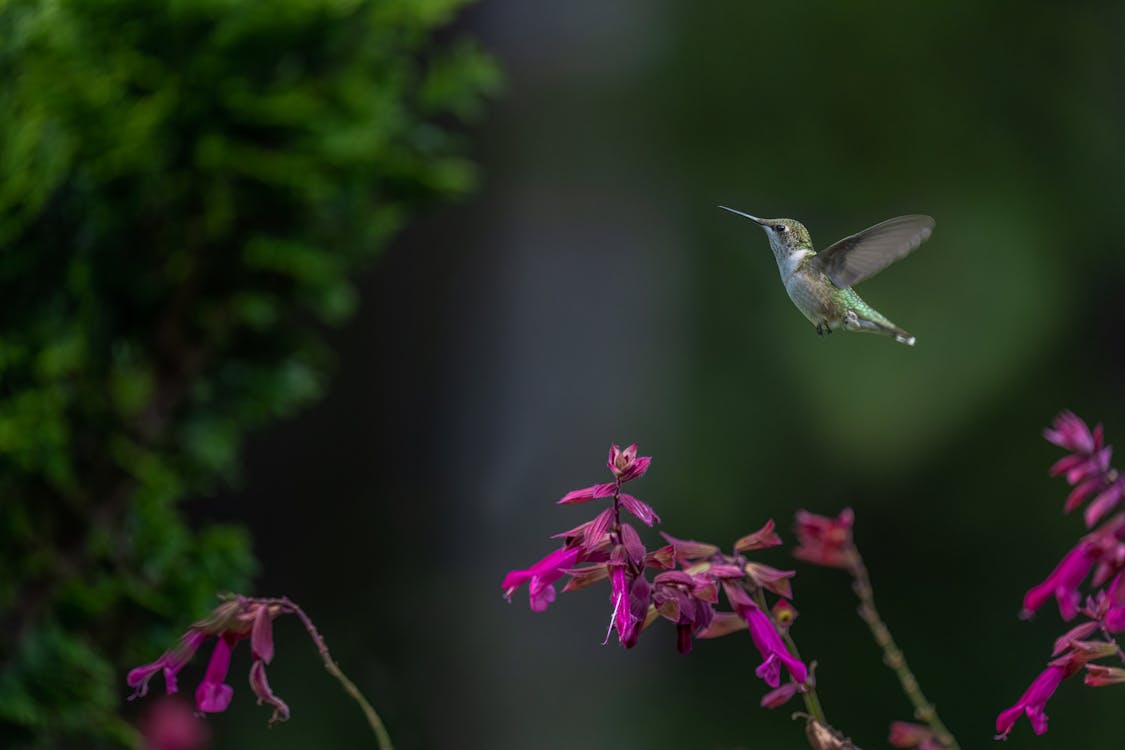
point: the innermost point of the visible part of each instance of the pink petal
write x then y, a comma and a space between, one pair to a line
261, 636
639, 509
1102, 504
586, 494
763, 538
212, 695
261, 687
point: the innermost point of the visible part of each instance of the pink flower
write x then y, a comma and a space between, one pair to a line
1032, 703
1071, 433
1087, 468
171, 724
626, 464
230, 622
170, 663
906, 734
1098, 675
630, 596
541, 576
685, 600
766, 639
213, 694
823, 540
1063, 582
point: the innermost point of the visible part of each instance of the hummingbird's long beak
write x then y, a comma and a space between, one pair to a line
748, 216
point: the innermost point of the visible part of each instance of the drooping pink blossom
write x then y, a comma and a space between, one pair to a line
229, 623
1032, 702
213, 694
766, 638
170, 663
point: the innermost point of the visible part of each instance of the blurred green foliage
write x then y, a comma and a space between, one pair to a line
186, 189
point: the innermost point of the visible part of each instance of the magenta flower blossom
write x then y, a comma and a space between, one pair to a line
541, 576
229, 623
685, 600
825, 541
766, 639
1063, 583
1087, 468
1033, 702
773, 650
213, 694
170, 663
906, 734
626, 464
1099, 675
171, 724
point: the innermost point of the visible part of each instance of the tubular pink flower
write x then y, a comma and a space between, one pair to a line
541, 576
170, 662
1032, 703
773, 650
1063, 582
213, 694
630, 597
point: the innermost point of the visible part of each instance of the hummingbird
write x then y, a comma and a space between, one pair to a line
820, 284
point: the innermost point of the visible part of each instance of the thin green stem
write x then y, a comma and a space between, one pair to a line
808, 695
893, 657
333, 668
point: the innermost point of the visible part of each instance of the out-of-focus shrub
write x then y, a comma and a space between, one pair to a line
186, 188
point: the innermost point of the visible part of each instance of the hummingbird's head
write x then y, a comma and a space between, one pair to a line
786, 235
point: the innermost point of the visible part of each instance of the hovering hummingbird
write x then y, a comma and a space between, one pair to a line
820, 284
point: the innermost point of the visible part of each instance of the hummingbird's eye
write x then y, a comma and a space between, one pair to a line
780, 228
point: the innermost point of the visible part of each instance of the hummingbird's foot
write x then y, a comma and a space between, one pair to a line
823, 329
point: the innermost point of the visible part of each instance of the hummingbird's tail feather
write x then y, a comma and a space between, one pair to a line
903, 337
873, 322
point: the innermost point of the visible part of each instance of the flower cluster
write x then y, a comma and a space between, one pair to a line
1100, 553
232, 621
687, 579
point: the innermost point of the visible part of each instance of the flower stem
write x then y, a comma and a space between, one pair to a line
809, 696
333, 668
892, 654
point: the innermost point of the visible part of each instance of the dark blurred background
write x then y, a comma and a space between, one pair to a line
591, 292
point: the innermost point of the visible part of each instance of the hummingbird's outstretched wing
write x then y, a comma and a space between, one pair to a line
864, 254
